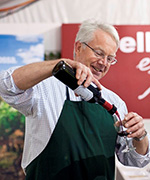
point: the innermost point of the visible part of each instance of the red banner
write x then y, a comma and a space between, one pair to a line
129, 78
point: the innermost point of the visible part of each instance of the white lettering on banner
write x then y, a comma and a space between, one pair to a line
144, 65
140, 42
147, 41
146, 93
129, 44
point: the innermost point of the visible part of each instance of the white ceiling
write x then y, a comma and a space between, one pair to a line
4, 2
8, 7
9, 3
64, 11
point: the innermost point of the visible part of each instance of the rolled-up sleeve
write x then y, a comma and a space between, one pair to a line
131, 158
10, 93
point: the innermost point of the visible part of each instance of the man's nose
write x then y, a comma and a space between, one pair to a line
103, 60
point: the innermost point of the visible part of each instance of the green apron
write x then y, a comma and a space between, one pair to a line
81, 147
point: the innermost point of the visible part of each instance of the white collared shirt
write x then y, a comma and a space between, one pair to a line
42, 105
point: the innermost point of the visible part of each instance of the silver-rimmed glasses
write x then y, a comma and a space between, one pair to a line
101, 55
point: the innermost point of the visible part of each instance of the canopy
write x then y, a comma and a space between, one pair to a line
65, 11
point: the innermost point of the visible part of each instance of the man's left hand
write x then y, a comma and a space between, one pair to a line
134, 124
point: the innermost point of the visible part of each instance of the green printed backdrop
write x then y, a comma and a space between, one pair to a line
15, 51
11, 142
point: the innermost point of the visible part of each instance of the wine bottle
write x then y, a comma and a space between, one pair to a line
66, 74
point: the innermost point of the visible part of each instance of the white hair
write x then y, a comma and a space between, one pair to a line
88, 27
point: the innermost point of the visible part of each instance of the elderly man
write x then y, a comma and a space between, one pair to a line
65, 137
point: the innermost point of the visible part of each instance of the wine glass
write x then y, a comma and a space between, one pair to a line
121, 131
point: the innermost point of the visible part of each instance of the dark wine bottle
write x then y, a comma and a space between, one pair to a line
66, 74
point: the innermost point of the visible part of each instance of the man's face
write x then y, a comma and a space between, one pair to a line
102, 42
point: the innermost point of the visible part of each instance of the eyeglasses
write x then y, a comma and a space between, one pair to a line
101, 55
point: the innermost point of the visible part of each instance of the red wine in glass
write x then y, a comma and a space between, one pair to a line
119, 126
122, 133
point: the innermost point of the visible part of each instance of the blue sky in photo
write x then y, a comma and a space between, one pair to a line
20, 50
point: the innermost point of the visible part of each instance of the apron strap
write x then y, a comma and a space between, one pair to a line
67, 94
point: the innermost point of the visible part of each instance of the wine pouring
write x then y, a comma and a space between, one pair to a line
123, 133
66, 74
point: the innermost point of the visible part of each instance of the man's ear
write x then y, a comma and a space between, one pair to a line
77, 47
